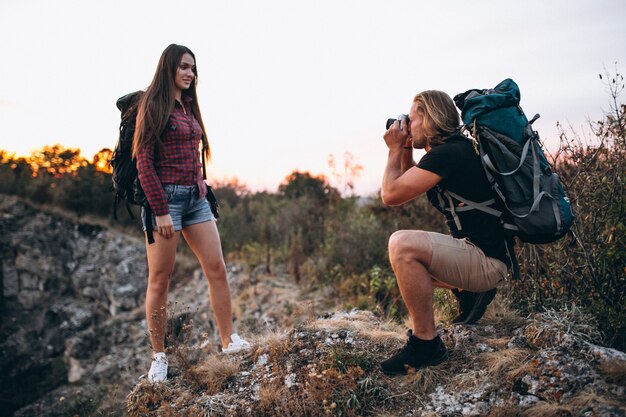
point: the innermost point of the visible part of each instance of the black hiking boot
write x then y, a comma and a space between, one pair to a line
480, 302
417, 353
466, 303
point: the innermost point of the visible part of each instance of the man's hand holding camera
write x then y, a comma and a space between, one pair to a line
398, 134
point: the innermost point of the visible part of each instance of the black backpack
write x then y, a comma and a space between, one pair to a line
125, 182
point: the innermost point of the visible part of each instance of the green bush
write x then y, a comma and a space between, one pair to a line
589, 271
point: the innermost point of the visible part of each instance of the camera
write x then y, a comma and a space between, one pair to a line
404, 117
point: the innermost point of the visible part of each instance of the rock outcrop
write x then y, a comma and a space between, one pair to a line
64, 285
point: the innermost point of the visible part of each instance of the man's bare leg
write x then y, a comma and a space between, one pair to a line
410, 253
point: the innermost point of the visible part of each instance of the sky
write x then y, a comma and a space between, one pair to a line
284, 84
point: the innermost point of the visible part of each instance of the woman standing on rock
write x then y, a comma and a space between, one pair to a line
168, 132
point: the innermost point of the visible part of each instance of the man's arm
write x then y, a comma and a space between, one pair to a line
398, 187
407, 161
402, 180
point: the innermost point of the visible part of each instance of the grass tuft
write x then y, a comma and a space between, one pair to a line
215, 372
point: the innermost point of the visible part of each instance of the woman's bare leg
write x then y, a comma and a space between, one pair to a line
161, 257
204, 241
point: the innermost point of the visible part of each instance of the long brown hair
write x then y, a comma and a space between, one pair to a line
440, 117
157, 103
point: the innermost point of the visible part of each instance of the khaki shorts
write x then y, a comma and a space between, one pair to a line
458, 262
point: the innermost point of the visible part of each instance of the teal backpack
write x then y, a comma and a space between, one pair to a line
536, 208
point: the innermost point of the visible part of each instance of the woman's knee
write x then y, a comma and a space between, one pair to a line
215, 270
158, 283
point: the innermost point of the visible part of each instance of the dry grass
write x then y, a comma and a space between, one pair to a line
506, 411
380, 336
501, 362
426, 380
500, 343
275, 343
546, 409
353, 320
526, 368
502, 316
588, 398
214, 372
274, 401
335, 324
463, 380
365, 324
552, 327
614, 371
147, 397
327, 393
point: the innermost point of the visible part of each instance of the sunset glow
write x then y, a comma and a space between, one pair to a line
285, 86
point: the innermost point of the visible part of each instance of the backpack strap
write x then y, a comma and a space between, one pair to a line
469, 205
115, 203
484, 207
203, 157
210, 196
149, 227
452, 210
537, 194
488, 162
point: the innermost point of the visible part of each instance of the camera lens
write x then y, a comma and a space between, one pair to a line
404, 117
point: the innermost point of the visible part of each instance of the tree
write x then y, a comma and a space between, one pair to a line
101, 160
303, 184
56, 160
229, 191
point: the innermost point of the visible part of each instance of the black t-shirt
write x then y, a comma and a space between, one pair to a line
457, 162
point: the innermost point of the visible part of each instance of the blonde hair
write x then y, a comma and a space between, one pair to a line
440, 117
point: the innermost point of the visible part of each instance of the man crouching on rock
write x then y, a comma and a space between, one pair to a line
473, 260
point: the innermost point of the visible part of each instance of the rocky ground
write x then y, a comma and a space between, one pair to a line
74, 342
505, 366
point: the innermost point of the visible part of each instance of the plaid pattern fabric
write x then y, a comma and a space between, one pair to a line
180, 162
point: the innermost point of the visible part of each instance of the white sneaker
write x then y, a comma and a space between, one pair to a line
236, 345
158, 369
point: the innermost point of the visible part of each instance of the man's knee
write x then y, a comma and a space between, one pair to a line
409, 244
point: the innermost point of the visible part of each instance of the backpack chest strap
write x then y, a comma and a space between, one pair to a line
469, 205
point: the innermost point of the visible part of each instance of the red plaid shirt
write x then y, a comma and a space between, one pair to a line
178, 164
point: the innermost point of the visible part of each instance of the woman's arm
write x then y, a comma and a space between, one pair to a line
153, 189
150, 182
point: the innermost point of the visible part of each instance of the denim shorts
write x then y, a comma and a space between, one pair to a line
185, 207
